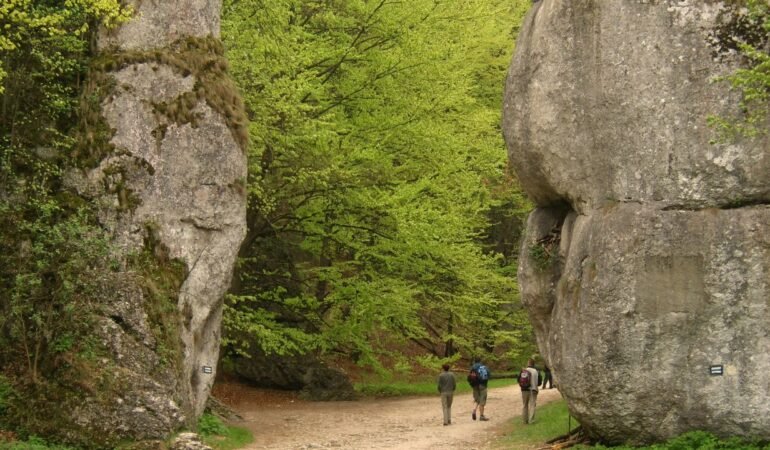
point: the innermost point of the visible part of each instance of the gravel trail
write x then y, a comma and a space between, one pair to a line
282, 421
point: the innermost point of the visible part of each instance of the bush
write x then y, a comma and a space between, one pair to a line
211, 425
220, 436
52, 279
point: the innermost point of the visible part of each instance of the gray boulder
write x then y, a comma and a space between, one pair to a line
189, 441
646, 262
157, 24
313, 379
169, 180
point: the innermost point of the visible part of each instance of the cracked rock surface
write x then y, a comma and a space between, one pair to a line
173, 185
646, 261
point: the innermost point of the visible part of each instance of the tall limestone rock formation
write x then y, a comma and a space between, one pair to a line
646, 261
168, 174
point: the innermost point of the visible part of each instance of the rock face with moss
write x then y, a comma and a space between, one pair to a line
646, 262
164, 159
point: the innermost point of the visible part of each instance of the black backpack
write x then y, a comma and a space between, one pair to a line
525, 380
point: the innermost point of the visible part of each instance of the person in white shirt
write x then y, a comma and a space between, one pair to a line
529, 391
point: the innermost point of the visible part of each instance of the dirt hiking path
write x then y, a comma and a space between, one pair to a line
281, 421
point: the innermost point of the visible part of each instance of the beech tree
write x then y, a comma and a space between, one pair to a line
376, 162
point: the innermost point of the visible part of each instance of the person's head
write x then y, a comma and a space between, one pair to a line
476, 360
445, 367
530, 362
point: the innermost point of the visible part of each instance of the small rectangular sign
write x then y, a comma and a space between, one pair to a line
207, 369
716, 370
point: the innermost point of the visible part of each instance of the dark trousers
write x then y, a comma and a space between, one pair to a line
547, 379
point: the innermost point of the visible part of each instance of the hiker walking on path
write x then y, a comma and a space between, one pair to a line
547, 378
478, 377
528, 382
446, 387
280, 420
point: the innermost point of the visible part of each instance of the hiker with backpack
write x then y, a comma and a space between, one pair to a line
478, 377
528, 381
446, 387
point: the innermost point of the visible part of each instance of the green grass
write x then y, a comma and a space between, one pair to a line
32, 443
551, 421
694, 440
427, 387
212, 430
221, 436
235, 437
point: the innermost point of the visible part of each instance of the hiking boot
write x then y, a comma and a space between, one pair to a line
473, 415
482, 418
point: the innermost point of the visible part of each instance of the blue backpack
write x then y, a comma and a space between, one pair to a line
479, 374
483, 372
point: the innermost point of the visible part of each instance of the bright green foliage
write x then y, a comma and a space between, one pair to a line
754, 81
44, 50
377, 164
55, 29
210, 425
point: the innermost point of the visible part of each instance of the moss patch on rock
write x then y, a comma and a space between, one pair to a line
202, 58
162, 277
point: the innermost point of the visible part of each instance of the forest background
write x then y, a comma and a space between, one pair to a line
383, 220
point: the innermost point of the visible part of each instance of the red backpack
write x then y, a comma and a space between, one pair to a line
525, 380
473, 378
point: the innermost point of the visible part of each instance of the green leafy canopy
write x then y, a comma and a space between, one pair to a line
377, 172
753, 80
